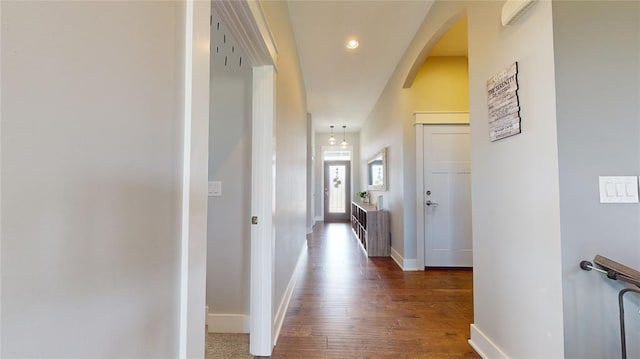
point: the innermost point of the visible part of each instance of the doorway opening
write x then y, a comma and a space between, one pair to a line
230, 175
241, 173
337, 191
443, 159
336, 184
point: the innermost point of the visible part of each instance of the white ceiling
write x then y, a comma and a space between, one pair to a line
343, 85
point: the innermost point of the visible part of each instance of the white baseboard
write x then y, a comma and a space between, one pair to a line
228, 323
484, 346
407, 265
278, 320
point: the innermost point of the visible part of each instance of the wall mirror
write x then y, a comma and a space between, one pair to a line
377, 171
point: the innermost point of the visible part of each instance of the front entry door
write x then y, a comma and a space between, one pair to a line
447, 196
337, 191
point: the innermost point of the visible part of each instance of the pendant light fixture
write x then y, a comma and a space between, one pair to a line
332, 140
344, 143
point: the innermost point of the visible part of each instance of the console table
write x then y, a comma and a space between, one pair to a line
371, 227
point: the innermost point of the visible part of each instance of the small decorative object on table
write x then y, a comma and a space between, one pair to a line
364, 196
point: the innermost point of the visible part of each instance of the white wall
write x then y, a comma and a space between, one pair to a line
597, 59
91, 169
321, 138
228, 250
516, 219
384, 129
291, 153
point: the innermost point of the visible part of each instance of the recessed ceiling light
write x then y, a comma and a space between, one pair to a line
352, 44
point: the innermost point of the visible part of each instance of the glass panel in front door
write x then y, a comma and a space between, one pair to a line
337, 189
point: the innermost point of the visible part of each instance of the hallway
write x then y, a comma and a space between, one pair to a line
346, 305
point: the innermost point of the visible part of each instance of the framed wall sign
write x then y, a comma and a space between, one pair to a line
504, 106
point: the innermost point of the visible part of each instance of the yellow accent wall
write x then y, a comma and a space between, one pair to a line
442, 84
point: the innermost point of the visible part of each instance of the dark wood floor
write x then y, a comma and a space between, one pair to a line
346, 305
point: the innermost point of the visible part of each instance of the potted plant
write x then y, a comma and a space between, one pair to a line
364, 196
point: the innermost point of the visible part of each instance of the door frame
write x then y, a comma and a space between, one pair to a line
348, 186
248, 25
320, 161
423, 119
195, 166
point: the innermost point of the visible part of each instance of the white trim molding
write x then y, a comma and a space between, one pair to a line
484, 346
420, 245
441, 118
195, 159
407, 265
228, 323
286, 299
249, 27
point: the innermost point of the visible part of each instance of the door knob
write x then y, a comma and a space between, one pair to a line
430, 203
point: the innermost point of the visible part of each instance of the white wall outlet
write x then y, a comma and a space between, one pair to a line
618, 189
215, 188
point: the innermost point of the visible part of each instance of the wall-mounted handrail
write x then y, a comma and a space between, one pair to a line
616, 271
611, 273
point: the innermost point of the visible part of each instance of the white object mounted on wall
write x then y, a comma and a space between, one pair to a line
503, 103
215, 188
618, 189
512, 10
377, 171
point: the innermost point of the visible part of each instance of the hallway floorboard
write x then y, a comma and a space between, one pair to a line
346, 305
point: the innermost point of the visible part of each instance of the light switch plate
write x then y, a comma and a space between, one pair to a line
618, 189
215, 188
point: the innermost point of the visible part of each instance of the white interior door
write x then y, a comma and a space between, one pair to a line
262, 199
447, 196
